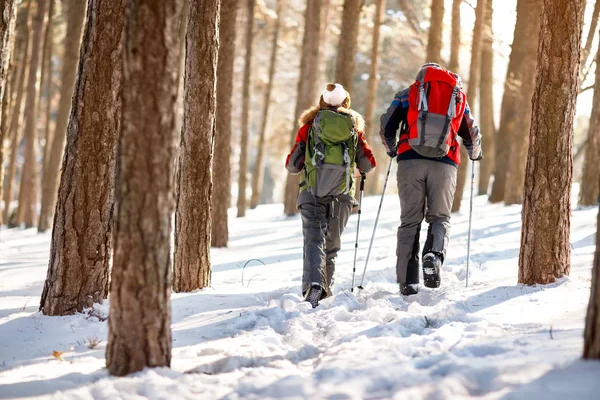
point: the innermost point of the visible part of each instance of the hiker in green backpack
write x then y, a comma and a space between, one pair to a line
329, 146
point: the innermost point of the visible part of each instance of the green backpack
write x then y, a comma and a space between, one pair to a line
330, 154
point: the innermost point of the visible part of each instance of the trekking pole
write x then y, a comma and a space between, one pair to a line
360, 200
470, 218
375, 227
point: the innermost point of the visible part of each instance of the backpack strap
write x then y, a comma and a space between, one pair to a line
451, 110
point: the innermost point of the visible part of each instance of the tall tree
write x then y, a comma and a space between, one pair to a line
436, 24
474, 75
515, 140
81, 244
243, 165
259, 170
545, 250
46, 85
75, 15
591, 344
455, 36
8, 15
26, 212
510, 98
194, 187
221, 172
348, 44
585, 54
139, 322
307, 89
486, 104
372, 90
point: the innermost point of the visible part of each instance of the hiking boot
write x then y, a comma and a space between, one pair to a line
314, 295
409, 289
432, 264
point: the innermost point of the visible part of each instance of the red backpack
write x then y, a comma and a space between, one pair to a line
436, 106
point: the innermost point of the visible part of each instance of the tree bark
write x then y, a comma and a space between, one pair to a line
545, 250
307, 90
474, 75
455, 36
510, 98
75, 15
348, 44
81, 245
259, 169
516, 141
191, 260
436, 25
46, 87
221, 171
8, 16
140, 308
486, 104
591, 344
243, 165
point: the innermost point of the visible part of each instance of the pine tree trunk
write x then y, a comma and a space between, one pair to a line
474, 75
486, 104
259, 169
8, 16
372, 186
243, 165
591, 344
348, 44
191, 260
510, 98
545, 250
140, 308
516, 141
307, 90
455, 36
46, 87
75, 15
27, 212
436, 25
81, 245
221, 170
325, 15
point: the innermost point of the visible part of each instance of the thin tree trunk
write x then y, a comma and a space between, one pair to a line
436, 24
191, 259
75, 16
455, 36
8, 16
510, 98
515, 140
81, 245
486, 108
545, 253
325, 15
45, 99
243, 165
221, 171
373, 182
591, 344
307, 90
585, 54
348, 44
140, 309
474, 75
259, 169
27, 210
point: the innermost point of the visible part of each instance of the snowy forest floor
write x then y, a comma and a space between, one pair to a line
251, 336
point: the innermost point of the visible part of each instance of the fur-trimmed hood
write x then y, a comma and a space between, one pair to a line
309, 115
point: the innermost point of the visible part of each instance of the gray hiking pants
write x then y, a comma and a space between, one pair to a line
323, 222
426, 189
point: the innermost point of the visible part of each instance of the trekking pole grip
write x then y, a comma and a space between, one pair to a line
363, 176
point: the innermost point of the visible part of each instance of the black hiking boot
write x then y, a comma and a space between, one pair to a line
431, 270
314, 295
409, 289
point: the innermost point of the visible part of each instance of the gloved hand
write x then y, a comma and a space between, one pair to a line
392, 153
479, 158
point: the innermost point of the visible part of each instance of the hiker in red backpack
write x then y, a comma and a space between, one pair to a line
329, 146
431, 114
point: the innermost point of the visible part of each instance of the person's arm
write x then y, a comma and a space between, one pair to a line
294, 162
365, 160
469, 132
391, 120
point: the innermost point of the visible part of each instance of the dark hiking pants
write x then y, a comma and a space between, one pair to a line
426, 189
323, 222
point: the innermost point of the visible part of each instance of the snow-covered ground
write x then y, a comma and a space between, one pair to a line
251, 336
